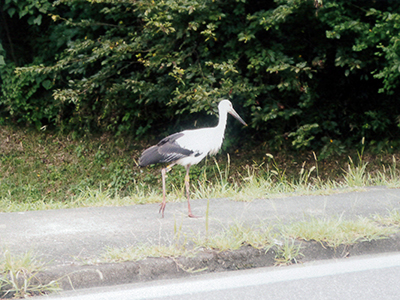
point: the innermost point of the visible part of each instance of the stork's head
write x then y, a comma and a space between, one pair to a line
225, 106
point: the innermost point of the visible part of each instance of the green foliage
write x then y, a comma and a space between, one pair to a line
2, 62
319, 77
22, 97
40, 170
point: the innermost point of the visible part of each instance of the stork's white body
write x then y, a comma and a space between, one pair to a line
202, 142
189, 147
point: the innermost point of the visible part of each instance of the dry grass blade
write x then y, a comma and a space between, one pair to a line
18, 276
335, 231
288, 253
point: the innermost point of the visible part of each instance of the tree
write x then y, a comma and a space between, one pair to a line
308, 74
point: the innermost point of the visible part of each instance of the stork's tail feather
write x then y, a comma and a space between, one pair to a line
150, 156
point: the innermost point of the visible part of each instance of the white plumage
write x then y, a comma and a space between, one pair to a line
189, 147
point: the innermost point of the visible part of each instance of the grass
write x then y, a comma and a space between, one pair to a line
235, 236
392, 219
335, 231
285, 239
288, 252
231, 238
18, 276
42, 171
46, 171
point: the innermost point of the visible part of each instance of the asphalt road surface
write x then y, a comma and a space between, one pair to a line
369, 277
60, 236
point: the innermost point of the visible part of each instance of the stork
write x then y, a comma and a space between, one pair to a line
188, 147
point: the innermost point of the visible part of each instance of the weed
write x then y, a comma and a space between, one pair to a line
232, 238
331, 232
389, 176
392, 219
288, 252
235, 236
45, 171
335, 231
18, 276
304, 175
356, 175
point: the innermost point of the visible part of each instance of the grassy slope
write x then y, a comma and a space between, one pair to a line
43, 171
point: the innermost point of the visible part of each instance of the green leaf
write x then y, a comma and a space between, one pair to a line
38, 20
11, 11
47, 84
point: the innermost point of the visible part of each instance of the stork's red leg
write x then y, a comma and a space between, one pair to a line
163, 203
188, 192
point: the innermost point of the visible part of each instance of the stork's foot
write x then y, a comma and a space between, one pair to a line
190, 215
162, 208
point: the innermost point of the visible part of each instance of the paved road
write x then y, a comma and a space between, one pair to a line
371, 277
65, 238
61, 236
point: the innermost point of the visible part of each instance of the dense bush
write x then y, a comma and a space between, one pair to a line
309, 74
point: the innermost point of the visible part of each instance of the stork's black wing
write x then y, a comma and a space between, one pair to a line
167, 150
170, 139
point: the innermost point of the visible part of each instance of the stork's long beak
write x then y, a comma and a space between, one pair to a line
236, 115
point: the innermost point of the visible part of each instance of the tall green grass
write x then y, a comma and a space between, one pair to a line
44, 171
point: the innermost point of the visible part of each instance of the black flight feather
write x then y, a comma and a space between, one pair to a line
167, 150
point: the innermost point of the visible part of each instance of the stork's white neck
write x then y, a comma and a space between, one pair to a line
219, 131
223, 115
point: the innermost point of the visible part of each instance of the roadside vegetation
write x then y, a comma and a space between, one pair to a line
18, 273
42, 170
18, 276
285, 240
305, 75
317, 82
45, 170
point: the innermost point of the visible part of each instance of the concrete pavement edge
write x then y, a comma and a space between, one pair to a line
72, 277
